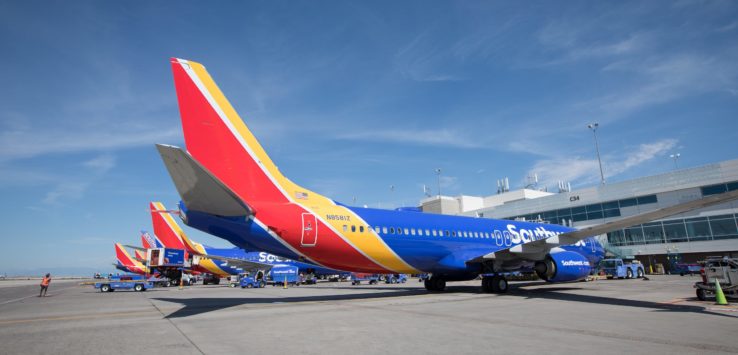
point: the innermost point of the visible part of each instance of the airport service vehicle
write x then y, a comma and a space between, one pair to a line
281, 274
247, 281
357, 278
725, 270
250, 282
211, 279
686, 269
231, 188
395, 279
617, 268
124, 282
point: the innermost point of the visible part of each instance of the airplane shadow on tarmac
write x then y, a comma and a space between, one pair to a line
196, 306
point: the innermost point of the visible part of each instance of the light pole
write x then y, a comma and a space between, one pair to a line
593, 127
438, 173
675, 157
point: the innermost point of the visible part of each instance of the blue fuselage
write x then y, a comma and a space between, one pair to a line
431, 243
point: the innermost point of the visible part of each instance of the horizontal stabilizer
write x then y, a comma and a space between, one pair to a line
199, 189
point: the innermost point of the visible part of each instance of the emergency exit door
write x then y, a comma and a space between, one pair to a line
309, 230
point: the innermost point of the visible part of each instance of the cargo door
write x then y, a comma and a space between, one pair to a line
309, 230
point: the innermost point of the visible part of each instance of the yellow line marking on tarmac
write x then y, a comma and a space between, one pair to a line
62, 318
674, 301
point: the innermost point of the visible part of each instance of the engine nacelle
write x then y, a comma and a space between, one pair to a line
563, 266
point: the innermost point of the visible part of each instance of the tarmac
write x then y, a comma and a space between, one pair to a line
656, 316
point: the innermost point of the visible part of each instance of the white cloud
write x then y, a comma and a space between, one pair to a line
101, 164
65, 190
440, 137
586, 171
664, 79
23, 144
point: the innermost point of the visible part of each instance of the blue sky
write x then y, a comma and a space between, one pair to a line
349, 98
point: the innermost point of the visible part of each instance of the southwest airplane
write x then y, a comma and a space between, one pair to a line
217, 260
231, 188
126, 263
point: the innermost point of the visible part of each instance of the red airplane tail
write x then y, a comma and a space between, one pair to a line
217, 138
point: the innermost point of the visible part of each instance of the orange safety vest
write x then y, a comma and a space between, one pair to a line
46, 281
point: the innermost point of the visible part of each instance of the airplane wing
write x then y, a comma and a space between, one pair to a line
536, 250
239, 263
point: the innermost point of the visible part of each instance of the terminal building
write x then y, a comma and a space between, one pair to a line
687, 237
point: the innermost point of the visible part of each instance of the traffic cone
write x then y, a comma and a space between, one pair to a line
285, 282
719, 295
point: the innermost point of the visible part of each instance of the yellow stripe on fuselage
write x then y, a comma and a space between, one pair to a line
369, 243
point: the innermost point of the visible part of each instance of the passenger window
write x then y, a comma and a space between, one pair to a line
392, 230
384, 230
412, 231
345, 228
399, 230
434, 232
407, 232
446, 233
427, 233
353, 228
476, 234
361, 229
453, 233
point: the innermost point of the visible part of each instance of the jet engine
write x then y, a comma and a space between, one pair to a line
563, 266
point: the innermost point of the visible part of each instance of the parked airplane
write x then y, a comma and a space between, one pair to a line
231, 188
149, 242
126, 263
219, 261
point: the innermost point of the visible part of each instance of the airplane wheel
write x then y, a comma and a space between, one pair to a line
486, 285
440, 284
499, 284
435, 284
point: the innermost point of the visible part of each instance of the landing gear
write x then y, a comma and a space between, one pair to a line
435, 284
494, 284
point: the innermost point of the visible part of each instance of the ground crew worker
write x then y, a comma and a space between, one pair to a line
45, 285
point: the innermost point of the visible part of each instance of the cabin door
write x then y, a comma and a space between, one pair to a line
309, 230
